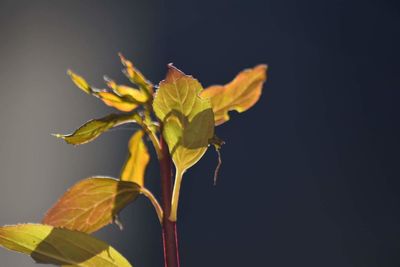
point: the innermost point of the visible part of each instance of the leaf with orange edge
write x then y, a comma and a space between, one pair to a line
91, 204
94, 128
240, 94
51, 245
135, 166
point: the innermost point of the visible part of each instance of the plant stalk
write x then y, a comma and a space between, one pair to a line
169, 231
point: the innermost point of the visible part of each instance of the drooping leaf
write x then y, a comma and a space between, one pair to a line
94, 128
79, 82
240, 94
47, 244
138, 158
135, 76
91, 204
188, 123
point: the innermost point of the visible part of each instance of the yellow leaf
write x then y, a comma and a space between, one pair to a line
80, 82
123, 98
135, 76
94, 128
127, 91
115, 101
91, 204
240, 94
188, 123
135, 166
47, 244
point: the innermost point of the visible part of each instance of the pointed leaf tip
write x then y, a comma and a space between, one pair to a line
173, 73
94, 128
58, 135
80, 82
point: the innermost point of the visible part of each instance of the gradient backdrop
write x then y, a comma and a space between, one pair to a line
310, 175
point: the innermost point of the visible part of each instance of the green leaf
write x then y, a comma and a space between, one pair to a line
188, 123
94, 128
46, 244
135, 166
91, 204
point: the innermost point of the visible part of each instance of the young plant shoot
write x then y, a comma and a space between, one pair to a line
178, 117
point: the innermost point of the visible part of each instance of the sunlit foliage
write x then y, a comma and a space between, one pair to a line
180, 111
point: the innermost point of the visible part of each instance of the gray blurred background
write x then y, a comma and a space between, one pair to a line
310, 175
40, 40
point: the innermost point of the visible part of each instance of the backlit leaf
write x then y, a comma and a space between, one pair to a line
80, 82
119, 102
94, 128
138, 158
127, 91
123, 98
91, 204
240, 94
135, 76
47, 244
188, 123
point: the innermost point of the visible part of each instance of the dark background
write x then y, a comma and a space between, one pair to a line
310, 175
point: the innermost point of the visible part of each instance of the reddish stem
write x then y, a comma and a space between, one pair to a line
170, 236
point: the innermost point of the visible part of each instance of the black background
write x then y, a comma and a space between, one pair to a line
310, 175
